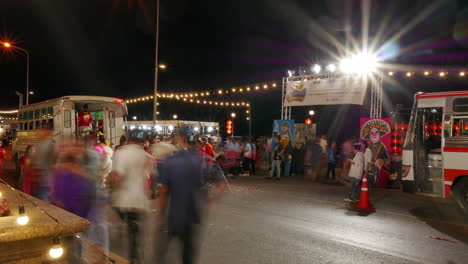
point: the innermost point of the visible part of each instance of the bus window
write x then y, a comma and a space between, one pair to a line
460, 127
460, 105
50, 112
37, 114
67, 119
112, 119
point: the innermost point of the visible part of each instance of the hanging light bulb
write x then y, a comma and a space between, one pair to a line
22, 219
274, 85
56, 251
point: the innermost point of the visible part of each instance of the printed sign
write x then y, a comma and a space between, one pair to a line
285, 129
326, 91
377, 132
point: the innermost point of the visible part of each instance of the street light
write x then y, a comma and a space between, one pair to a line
174, 116
233, 115
10, 46
155, 97
134, 118
162, 66
311, 112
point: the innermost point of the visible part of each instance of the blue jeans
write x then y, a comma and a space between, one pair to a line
355, 189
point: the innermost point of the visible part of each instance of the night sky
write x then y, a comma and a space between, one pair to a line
106, 47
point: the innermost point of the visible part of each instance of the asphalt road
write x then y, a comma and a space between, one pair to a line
295, 221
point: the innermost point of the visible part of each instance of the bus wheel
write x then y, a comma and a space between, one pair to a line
460, 194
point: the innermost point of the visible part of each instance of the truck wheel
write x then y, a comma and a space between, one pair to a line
460, 194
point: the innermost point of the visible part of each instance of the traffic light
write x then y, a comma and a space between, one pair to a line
229, 127
308, 121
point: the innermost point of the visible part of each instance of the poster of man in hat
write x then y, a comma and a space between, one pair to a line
377, 133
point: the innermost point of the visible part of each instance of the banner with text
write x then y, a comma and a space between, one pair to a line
326, 91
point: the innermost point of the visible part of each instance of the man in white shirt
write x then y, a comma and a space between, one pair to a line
355, 173
131, 169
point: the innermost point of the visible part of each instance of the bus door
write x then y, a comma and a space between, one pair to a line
68, 120
428, 162
113, 123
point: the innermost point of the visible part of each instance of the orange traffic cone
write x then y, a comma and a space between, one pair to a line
364, 200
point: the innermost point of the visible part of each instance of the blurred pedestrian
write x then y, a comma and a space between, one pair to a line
269, 150
2, 157
85, 120
160, 151
248, 155
98, 164
181, 193
42, 159
28, 178
73, 190
277, 154
347, 154
313, 159
254, 159
355, 173
131, 169
287, 158
332, 160
122, 142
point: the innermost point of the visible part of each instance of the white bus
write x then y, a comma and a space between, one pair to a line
60, 115
435, 153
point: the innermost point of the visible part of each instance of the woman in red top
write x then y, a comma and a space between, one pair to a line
28, 179
2, 157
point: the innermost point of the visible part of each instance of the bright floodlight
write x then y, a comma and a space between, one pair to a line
331, 67
316, 68
6, 44
362, 63
196, 128
290, 73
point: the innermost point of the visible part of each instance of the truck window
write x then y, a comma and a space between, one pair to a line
460, 127
460, 105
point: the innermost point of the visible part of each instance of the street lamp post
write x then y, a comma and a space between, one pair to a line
20, 97
155, 95
9, 45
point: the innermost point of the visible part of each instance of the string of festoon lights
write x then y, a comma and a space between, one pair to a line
431, 73
194, 101
56, 251
194, 97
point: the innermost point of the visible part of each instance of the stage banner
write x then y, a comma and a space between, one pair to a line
377, 132
285, 129
326, 91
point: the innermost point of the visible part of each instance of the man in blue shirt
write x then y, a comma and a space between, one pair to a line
183, 181
331, 157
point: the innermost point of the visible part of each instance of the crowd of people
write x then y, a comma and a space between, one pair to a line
87, 177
